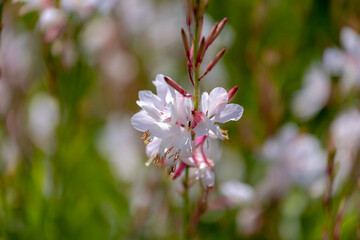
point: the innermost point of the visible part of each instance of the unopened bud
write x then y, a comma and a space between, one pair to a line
186, 43
213, 62
175, 86
201, 51
232, 92
211, 35
188, 13
219, 28
192, 53
189, 72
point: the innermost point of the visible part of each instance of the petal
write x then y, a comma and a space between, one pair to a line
232, 112
141, 121
201, 128
218, 99
208, 177
213, 128
179, 170
153, 147
165, 93
147, 97
164, 130
204, 103
150, 109
161, 86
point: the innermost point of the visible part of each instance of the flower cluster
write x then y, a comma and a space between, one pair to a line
345, 63
176, 124
175, 133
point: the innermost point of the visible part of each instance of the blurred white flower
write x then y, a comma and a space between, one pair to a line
85, 7
65, 49
345, 132
18, 57
99, 35
10, 155
31, 5
249, 221
100, 39
345, 63
52, 20
237, 193
295, 158
118, 144
313, 95
44, 117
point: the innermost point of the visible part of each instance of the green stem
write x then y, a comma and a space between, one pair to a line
196, 66
186, 230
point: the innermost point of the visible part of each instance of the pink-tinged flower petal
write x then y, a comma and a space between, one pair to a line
204, 103
218, 98
200, 140
213, 128
162, 88
201, 128
149, 98
141, 121
179, 170
232, 112
150, 110
153, 147
206, 175
209, 178
197, 117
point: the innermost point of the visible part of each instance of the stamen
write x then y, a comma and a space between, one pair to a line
146, 137
224, 133
168, 151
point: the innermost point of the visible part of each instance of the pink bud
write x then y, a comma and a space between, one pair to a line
232, 92
176, 86
189, 72
186, 43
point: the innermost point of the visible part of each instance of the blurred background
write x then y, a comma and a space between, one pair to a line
72, 166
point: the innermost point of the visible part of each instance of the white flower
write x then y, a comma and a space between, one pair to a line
44, 117
166, 120
215, 108
345, 132
345, 64
202, 165
237, 192
314, 94
52, 20
295, 156
117, 143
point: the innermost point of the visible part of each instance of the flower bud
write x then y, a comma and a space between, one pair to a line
186, 43
232, 92
176, 86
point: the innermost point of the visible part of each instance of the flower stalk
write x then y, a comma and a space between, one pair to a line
177, 124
